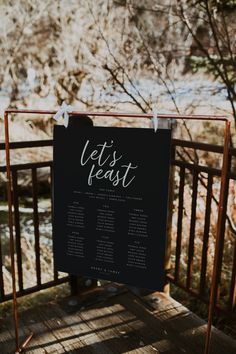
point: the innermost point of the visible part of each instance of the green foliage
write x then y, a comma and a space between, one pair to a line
225, 5
211, 65
220, 5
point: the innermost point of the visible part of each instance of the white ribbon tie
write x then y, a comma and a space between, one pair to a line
155, 120
63, 112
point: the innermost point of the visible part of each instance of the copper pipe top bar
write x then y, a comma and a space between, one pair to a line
125, 115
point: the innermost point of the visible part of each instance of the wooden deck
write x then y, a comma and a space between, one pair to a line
108, 322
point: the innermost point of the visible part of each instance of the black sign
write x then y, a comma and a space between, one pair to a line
110, 203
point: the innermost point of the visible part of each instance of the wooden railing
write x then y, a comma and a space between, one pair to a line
199, 239
189, 242
33, 195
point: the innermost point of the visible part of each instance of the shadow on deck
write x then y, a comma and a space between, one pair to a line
108, 322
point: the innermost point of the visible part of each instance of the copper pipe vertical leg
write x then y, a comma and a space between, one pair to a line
214, 284
10, 224
18, 348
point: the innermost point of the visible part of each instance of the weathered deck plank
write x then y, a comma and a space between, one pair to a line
124, 323
43, 337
